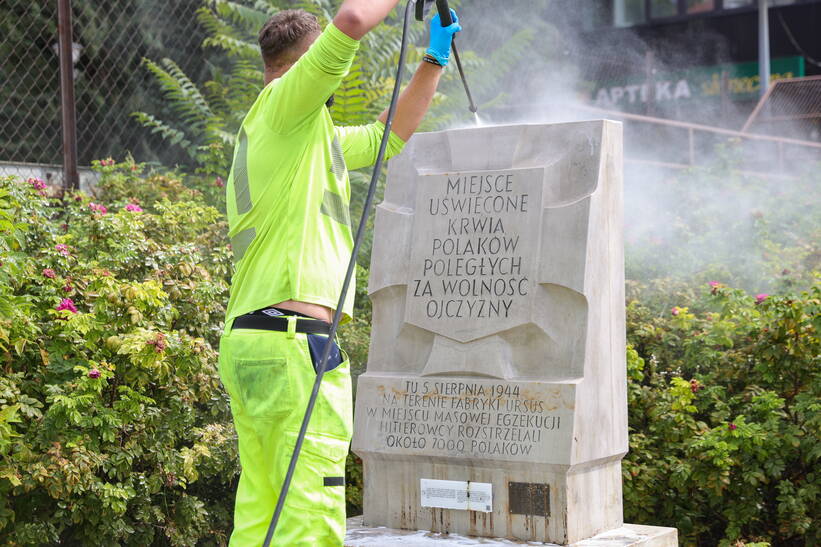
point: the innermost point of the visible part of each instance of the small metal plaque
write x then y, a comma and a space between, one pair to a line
464, 495
529, 498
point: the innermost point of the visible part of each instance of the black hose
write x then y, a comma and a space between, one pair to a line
360, 233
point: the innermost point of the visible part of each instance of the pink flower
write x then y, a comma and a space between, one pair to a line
732, 427
48, 272
68, 288
97, 208
759, 298
67, 304
675, 311
94, 373
38, 184
133, 207
158, 342
219, 183
62, 249
107, 162
714, 286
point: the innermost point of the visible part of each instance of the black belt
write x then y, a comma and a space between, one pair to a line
263, 322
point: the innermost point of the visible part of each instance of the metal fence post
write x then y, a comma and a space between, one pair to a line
763, 46
71, 178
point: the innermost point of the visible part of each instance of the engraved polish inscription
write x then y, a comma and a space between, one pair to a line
474, 252
466, 418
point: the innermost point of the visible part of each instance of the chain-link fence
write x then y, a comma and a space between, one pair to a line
110, 39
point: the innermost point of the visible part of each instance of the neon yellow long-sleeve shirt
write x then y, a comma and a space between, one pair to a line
288, 192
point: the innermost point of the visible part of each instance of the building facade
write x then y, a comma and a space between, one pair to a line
691, 60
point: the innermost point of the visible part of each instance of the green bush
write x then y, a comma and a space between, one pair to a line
725, 415
114, 429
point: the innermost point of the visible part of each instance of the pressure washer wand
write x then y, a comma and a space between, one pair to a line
447, 20
471, 106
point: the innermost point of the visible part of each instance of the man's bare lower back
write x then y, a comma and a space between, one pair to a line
314, 310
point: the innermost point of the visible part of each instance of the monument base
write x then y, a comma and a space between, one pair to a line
630, 535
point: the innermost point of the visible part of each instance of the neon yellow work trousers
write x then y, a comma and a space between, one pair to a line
269, 376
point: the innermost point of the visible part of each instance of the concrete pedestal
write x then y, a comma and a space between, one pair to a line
629, 535
495, 399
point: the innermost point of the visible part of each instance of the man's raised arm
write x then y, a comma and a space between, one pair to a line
360, 144
416, 98
357, 17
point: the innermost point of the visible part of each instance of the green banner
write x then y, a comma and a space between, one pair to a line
695, 84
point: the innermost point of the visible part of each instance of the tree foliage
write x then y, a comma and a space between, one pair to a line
212, 115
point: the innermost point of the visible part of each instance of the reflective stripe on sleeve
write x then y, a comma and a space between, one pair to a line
335, 207
242, 190
241, 242
337, 159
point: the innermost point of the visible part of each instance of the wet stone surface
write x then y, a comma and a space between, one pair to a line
497, 354
475, 419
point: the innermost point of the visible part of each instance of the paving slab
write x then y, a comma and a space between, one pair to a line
629, 535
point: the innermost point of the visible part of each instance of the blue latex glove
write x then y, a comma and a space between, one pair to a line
441, 38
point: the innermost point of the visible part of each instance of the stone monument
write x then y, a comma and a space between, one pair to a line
494, 401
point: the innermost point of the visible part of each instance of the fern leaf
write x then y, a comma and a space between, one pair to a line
174, 136
249, 18
183, 96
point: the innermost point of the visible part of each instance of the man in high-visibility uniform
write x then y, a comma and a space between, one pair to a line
287, 199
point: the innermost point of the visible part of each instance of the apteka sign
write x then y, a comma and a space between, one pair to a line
742, 83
